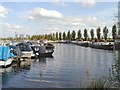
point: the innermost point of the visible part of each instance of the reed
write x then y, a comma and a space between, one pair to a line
97, 84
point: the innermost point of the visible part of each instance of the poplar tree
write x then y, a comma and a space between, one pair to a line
114, 32
73, 35
105, 32
64, 36
85, 34
98, 33
92, 34
79, 35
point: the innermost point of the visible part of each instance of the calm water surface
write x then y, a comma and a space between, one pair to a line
69, 67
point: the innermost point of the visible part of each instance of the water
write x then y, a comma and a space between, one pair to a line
70, 66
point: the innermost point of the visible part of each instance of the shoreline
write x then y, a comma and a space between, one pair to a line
97, 45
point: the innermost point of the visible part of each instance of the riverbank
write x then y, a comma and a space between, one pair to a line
97, 45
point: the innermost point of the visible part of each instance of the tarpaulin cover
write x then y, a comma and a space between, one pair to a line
5, 53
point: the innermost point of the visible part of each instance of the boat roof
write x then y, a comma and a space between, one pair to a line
24, 46
5, 53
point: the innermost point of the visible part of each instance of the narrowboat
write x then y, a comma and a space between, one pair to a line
103, 45
83, 43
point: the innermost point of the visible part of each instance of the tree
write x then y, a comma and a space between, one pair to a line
60, 36
73, 35
45, 36
105, 32
79, 35
98, 33
92, 34
114, 32
68, 36
64, 36
49, 37
56, 35
53, 36
85, 34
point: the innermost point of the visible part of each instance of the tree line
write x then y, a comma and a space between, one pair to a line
72, 35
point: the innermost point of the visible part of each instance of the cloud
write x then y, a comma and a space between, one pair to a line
105, 12
83, 22
8, 30
89, 3
47, 18
3, 11
84, 3
48, 21
58, 2
11, 27
38, 13
57, 25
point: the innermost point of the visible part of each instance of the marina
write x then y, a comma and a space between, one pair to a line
22, 50
59, 45
68, 68
58, 64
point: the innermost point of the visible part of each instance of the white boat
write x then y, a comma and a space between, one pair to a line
6, 56
26, 50
6, 63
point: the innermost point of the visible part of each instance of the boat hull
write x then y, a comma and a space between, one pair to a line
46, 54
6, 63
105, 47
84, 44
28, 55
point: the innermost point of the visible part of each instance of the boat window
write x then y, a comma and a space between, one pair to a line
24, 47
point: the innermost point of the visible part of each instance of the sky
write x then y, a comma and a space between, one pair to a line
30, 18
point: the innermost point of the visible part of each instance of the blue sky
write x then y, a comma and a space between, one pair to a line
49, 17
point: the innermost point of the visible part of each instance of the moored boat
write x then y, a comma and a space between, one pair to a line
6, 56
42, 48
26, 50
83, 43
49, 46
103, 45
42, 51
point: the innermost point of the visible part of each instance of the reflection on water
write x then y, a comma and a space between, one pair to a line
14, 70
70, 66
24, 71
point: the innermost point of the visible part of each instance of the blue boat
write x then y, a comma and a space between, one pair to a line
6, 56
